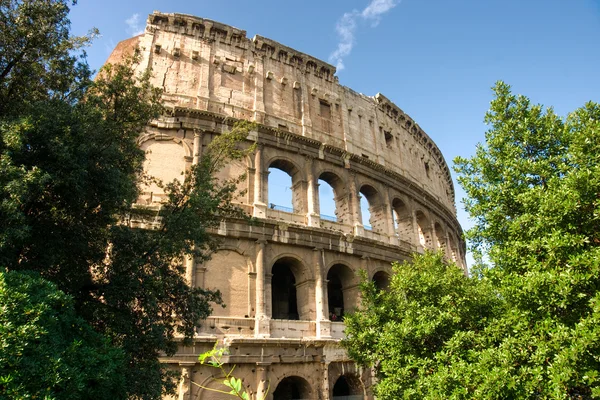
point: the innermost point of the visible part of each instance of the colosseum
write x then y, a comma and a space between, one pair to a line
289, 278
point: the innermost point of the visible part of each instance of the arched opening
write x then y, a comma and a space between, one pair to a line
453, 249
381, 280
440, 237
373, 213
327, 208
347, 387
340, 294
291, 388
284, 300
332, 199
402, 220
283, 188
424, 230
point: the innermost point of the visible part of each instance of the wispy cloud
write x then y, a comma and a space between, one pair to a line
346, 27
134, 27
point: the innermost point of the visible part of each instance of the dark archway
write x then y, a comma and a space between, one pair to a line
381, 280
347, 387
339, 278
292, 388
284, 300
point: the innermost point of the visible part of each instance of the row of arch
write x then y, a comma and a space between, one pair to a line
346, 387
363, 205
290, 299
289, 288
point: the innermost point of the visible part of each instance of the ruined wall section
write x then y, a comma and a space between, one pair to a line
209, 66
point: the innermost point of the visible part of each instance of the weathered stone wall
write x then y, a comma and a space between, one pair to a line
288, 279
205, 65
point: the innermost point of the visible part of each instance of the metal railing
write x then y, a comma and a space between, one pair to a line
328, 218
276, 207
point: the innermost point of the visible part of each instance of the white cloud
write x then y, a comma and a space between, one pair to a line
133, 25
346, 27
377, 8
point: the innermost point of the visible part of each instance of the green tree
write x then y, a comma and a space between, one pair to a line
415, 331
533, 191
70, 171
47, 350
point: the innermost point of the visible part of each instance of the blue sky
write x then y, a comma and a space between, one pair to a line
436, 59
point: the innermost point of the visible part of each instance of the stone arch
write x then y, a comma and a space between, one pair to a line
354, 376
424, 230
152, 136
440, 237
347, 386
340, 195
297, 181
290, 292
342, 290
381, 279
377, 220
293, 387
403, 221
301, 271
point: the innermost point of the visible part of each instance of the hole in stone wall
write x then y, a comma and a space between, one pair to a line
284, 300
280, 194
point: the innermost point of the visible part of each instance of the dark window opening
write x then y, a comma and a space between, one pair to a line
381, 280
348, 387
341, 387
283, 293
335, 296
292, 388
427, 169
389, 139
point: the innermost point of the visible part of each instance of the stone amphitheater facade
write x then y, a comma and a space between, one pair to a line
288, 279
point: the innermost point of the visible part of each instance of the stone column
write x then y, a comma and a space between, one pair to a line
204, 74
190, 261
306, 98
197, 146
448, 251
259, 90
355, 204
417, 240
260, 207
434, 239
389, 214
323, 323
263, 383
185, 386
261, 328
326, 390
190, 267
200, 274
364, 264
313, 218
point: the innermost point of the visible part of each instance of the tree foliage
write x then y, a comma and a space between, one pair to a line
533, 191
70, 173
47, 350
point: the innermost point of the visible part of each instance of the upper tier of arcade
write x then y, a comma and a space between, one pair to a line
211, 67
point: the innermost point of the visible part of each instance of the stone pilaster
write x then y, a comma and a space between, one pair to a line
262, 321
